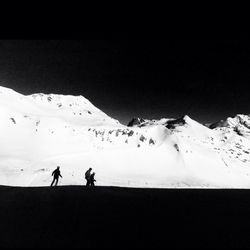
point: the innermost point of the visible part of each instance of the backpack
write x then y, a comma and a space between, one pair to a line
87, 175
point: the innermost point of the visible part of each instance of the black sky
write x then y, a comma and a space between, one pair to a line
206, 79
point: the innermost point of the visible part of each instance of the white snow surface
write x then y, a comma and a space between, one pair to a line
40, 132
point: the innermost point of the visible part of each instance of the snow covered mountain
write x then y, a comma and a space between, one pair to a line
140, 122
39, 132
240, 124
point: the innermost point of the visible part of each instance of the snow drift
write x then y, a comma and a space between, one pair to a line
39, 132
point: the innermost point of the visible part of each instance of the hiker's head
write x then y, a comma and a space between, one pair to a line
58, 167
90, 168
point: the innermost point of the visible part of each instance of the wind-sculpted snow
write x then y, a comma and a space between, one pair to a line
39, 132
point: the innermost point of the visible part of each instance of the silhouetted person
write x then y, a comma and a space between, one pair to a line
87, 176
92, 179
56, 173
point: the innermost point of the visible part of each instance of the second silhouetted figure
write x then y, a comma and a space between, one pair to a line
56, 173
92, 179
87, 177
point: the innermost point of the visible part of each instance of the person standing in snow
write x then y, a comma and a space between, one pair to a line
92, 179
87, 176
56, 174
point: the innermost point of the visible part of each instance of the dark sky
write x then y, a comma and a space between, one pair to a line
206, 79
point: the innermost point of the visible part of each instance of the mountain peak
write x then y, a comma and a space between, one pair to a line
170, 123
240, 124
73, 109
136, 121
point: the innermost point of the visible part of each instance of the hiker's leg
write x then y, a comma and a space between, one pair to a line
52, 182
57, 181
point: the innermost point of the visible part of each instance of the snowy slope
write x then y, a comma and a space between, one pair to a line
39, 132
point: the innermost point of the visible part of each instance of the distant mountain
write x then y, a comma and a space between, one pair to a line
140, 122
40, 131
240, 124
169, 123
73, 109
